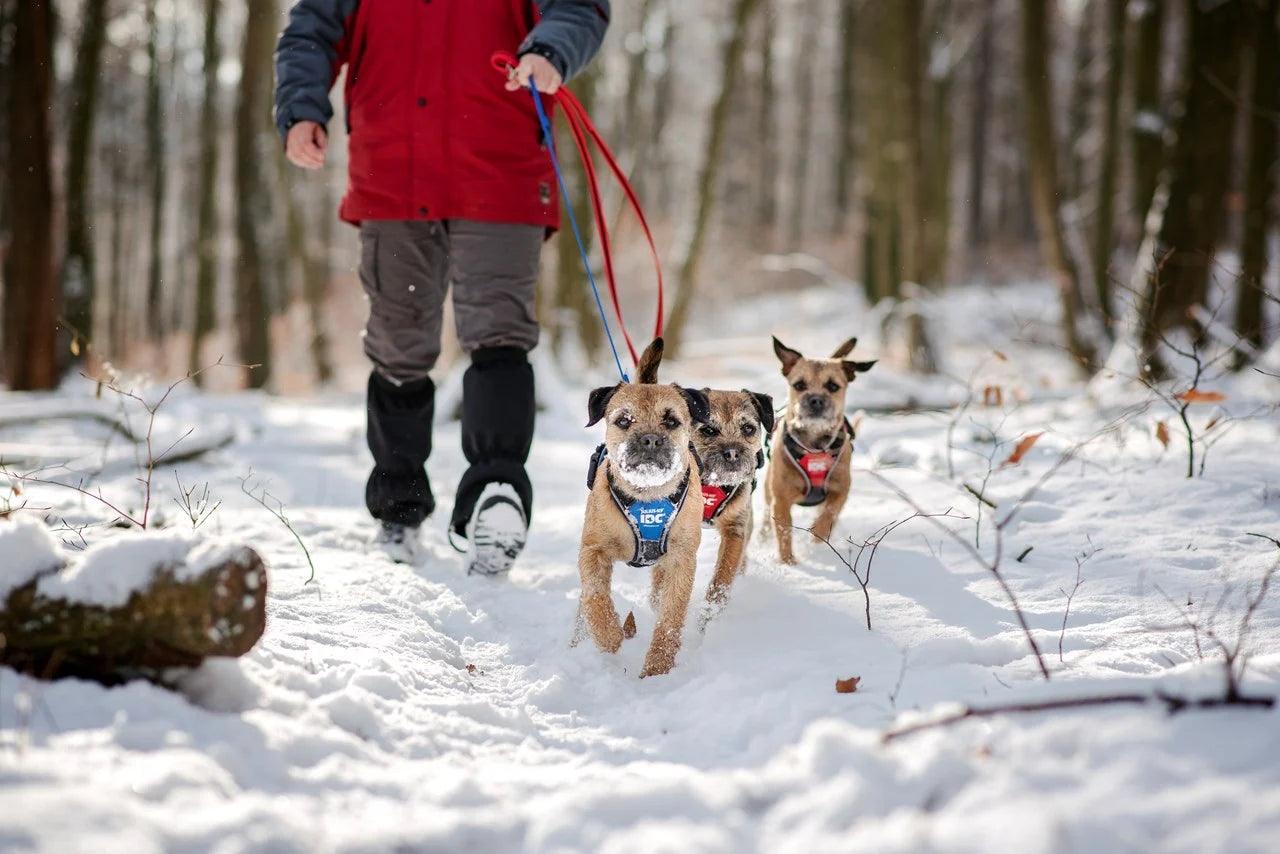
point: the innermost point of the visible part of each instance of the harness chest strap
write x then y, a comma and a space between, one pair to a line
715, 500
650, 521
815, 466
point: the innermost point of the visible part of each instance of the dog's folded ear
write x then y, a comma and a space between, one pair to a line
599, 401
852, 369
647, 368
786, 355
845, 349
699, 406
764, 408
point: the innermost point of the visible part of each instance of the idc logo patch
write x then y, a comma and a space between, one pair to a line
651, 517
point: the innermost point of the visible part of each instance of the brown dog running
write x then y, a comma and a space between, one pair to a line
811, 444
730, 448
644, 507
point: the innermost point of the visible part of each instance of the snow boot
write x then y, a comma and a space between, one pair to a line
497, 531
399, 542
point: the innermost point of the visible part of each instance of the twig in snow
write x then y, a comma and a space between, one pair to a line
264, 498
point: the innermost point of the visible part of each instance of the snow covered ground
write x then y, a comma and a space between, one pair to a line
391, 708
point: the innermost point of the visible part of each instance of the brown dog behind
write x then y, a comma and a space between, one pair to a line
730, 447
644, 507
810, 461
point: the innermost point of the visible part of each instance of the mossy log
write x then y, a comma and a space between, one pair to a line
177, 618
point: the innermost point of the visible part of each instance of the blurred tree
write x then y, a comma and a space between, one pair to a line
253, 202
708, 171
766, 133
1260, 171
79, 273
1198, 173
1104, 210
978, 128
157, 176
207, 200
1042, 163
846, 139
802, 73
32, 302
1082, 84
1147, 122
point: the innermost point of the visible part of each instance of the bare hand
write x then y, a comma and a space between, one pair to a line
306, 144
537, 68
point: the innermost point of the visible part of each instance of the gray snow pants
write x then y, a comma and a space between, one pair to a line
406, 268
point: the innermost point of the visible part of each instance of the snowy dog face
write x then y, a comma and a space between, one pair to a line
649, 425
732, 439
815, 397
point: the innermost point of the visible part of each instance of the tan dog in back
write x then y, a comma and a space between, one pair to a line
731, 449
645, 506
809, 464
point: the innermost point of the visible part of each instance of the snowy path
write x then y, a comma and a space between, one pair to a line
414, 709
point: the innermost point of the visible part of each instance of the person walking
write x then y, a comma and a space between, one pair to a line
450, 183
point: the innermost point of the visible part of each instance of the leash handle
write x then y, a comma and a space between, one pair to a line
584, 133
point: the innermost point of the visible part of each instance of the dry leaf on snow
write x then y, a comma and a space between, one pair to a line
1024, 445
1162, 434
629, 625
847, 686
1195, 395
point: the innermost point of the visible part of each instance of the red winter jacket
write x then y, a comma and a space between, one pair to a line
433, 132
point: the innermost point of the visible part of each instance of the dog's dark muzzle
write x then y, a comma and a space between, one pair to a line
733, 462
815, 405
649, 449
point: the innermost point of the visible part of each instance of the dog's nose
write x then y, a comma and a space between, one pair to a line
731, 454
815, 403
651, 441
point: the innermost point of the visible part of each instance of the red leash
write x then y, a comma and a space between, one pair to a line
584, 133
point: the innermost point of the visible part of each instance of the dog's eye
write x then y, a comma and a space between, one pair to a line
832, 386
748, 429
708, 431
624, 421
799, 385
670, 422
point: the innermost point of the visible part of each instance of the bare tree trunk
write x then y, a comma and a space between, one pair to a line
803, 72
1042, 163
1104, 221
253, 205
31, 294
572, 288
1260, 173
1200, 170
847, 143
767, 131
978, 130
876, 69
709, 171
1082, 85
207, 205
913, 206
79, 272
156, 164
1148, 121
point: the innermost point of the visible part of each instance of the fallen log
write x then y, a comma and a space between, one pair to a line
129, 607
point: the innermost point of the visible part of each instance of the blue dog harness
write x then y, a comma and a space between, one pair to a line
650, 521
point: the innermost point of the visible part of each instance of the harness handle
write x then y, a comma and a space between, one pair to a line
584, 133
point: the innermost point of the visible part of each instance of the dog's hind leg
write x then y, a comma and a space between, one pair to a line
673, 607
655, 587
782, 530
596, 606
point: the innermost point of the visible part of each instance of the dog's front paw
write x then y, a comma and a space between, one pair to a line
657, 666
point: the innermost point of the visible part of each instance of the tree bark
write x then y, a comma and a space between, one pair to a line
173, 620
1042, 165
709, 172
157, 175
1147, 126
914, 191
253, 205
846, 145
31, 294
978, 129
1260, 173
767, 133
1104, 216
572, 287
1200, 170
803, 73
79, 272
1082, 89
207, 204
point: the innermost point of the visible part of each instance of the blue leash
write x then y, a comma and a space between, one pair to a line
573, 221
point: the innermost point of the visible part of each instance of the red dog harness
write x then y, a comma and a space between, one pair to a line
714, 500
816, 465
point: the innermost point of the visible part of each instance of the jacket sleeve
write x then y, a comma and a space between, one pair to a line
569, 33
309, 54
